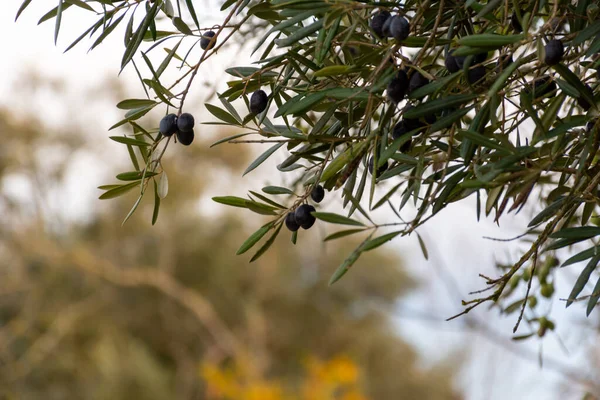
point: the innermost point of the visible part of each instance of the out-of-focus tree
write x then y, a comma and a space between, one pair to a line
97, 310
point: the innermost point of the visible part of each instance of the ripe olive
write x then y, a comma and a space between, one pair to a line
476, 74
168, 125
207, 42
399, 28
317, 194
416, 81
554, 52
185, 137
400, 130
451, 62
515, 23
396, 89
258, 102
303, 216
185, 122
378, 21
290, 222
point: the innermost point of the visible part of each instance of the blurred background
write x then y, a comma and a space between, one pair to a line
90, 309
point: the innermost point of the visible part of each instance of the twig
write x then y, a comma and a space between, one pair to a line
534, 262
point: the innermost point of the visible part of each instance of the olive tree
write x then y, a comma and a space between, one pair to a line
384, 104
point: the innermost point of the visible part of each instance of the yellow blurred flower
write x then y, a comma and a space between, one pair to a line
263, 391
342, 370
335, 379
222, 383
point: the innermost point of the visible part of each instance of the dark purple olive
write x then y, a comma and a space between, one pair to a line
480, 57
476, 74
515, 23
303, 216
398, 86
400, 130
413, 125
399, 28
416, 81
207, 42
185, 122
185, 137
317, 194
405, 147
460, 61
258, 102
554, 52
386, 28
378, 21
168, 125
450, 62
290, 222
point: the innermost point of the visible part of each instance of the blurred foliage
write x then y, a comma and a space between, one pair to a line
93, 310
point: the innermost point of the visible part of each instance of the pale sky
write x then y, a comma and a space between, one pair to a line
455, 239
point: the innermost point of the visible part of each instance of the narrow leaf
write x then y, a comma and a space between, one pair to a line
222, 114
423, 247
232, 201
583, 279
336, 218
190, 6
593, 300
276, 190
59, 11
378, 241
131, 104
22, 8
130, 141
348, 262
118, 191
582, 232
263, 157
266, 245
135, 206
253, 239
342, 234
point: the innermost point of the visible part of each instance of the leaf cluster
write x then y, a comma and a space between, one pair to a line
523, 130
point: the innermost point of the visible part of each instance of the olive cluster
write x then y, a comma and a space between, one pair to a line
302, 216
385, 25
182, 126
407, 80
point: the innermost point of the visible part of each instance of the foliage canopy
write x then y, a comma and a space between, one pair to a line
478, 100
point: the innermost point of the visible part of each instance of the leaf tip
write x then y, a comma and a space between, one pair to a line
337, 276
